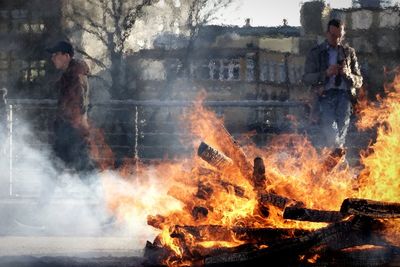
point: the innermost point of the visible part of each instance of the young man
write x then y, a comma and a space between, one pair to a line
332, 70
71, 127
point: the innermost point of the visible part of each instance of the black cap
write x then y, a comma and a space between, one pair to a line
62, 46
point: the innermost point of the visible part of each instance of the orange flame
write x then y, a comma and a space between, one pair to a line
380, 177
194, 193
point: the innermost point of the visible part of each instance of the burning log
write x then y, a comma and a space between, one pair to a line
278, 201
155, 253
259, 178
333, 159
235, 152
204, 191
364, 230
156, 221
303, 214
238, 190
230, 234
220, 161
200, 252
214, 157
329, 163
358, 256
215, 177
199, 212
259, 181
371, 208
286, 250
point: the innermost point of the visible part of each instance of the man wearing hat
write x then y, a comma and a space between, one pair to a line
71, 126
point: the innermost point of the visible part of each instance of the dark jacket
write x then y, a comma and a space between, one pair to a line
73, 101
71, 129
317, 62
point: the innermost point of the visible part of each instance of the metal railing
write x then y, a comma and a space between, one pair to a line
138, 108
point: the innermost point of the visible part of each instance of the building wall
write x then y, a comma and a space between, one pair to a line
26, 29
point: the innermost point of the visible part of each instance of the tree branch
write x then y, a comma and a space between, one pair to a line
131, 17
95, 60
98, 35
88, 17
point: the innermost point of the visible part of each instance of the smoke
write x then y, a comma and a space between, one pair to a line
44, 199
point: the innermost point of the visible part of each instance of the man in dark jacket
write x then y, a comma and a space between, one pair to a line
71, 126
332, 70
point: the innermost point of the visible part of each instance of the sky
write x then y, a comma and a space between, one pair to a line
270, 12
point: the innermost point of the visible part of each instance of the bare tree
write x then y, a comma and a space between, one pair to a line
200, 13
110, 22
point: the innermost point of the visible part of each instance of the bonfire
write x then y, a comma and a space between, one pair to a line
233, 203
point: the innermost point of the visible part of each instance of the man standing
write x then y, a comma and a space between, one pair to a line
332, 70
71, 126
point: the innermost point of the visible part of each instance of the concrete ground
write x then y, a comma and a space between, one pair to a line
67, 246
66, 238
32, 251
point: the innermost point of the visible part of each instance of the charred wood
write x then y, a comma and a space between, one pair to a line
328, 164
229, 234
364, 230
259, 181
285, 250
236, 153
155, 253
311, 215
357, 256
156, 221
259, 178
199, 213
214, 157
204, 191
371, 208
278, 201
228, 186
332, 160
199, 252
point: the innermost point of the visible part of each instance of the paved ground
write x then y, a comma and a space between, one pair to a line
28, 251
68, 246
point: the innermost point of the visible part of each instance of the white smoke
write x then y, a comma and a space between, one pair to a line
42, 201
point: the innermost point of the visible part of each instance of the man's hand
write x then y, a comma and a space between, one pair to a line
332, 70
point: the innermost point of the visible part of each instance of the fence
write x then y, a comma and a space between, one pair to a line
137, 129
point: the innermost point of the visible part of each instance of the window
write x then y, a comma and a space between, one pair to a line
250, 67
22, 23
271, 71
33, 70
295, 73
217, 69
4, 67
31, 27
281, 72
4, 18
